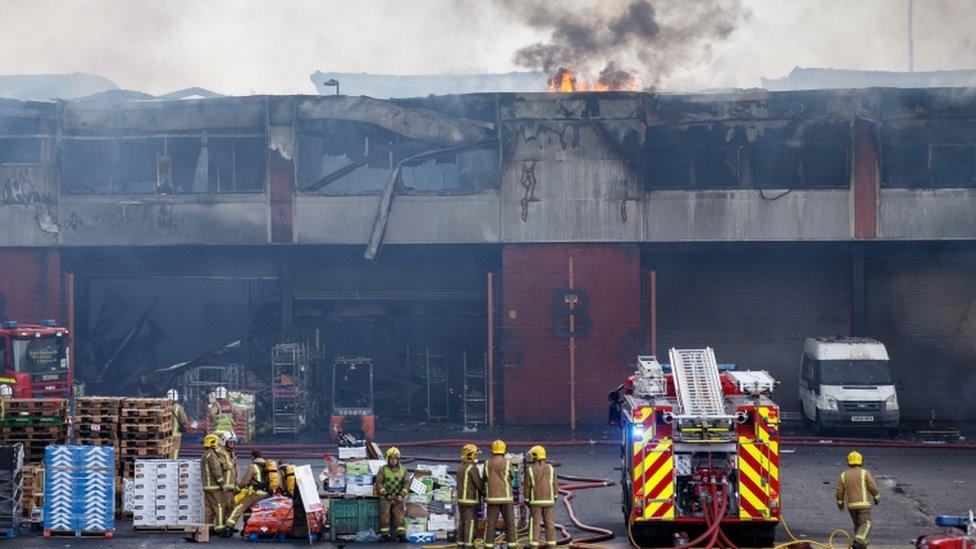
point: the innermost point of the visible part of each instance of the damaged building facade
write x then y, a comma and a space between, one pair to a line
546, 238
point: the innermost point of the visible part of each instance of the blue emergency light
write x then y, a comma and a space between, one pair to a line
951, 521
9, 324
49, 323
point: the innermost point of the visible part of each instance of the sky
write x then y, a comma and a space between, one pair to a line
271, 46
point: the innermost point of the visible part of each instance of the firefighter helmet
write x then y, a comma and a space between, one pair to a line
6, 391
393, 452
498, 447
211, 441
173, 395
220, 393
469, 452
228, 437
537, 453
855, 458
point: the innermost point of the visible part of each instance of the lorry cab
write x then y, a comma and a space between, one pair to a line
845, 382
34, 359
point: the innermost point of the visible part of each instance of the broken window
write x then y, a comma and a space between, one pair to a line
928, 154
339, 157
22, 150
164, 165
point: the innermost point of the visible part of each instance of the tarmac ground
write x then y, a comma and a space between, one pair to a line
916, 485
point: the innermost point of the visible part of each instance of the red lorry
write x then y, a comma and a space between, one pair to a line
34, 359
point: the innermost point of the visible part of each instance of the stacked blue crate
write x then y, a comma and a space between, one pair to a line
79, 488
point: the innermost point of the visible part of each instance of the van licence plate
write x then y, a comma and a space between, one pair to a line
864, 419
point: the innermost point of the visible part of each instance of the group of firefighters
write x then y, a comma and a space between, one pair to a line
491, 483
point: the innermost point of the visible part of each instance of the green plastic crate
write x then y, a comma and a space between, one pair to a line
347, 517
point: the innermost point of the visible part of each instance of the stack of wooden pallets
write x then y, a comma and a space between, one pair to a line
35, 422
146, 431
33, 489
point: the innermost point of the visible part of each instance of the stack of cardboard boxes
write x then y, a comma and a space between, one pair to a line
166, 494
430, 504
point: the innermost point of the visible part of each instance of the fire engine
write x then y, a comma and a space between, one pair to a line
700, 451
34, 358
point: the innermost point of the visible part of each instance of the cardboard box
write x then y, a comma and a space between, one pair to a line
358, 490
352, 452
359, 480
417, 510
197, 533
360, 467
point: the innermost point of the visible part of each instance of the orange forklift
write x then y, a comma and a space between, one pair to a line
352, 397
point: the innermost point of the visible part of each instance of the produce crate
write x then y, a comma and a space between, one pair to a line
347, 516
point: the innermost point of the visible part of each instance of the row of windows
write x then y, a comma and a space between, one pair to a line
341, 158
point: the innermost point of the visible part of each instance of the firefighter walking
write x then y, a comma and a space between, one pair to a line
497, 480
540, 488
392, 484
181, 423
469, 487
855, 487
254, 487
212, 471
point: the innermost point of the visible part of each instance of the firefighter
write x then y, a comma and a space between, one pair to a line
393, 483
6, 393
469, 495
253, 488
220, 415
854, 487
212, 471
228, 482
497, 479
181, 423
540, 487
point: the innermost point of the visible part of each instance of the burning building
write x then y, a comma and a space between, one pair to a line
464, 233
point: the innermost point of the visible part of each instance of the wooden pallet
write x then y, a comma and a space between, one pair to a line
147, 425
157, 451
159, 529
141, 403
36, 404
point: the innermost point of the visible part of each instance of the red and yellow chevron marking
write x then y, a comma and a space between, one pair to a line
759, 468
654, 477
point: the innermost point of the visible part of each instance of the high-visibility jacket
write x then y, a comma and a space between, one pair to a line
855, 486
228, 461
498, 480
211, 470
392, 481
180, 421
255, 477
540, 484
221, 416
469, 484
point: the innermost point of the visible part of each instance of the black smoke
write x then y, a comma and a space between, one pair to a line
649, 38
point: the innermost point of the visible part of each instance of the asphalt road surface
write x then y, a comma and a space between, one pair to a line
916, 485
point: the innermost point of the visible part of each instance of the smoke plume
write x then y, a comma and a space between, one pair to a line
620, 40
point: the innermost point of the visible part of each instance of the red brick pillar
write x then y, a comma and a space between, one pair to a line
30, 285
534, 357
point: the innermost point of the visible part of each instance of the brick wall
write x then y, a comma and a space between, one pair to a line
30, 285
535, 366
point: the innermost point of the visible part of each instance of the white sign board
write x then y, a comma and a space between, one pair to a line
307, 488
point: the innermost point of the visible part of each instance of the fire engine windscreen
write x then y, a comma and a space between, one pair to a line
854, 372
39, 355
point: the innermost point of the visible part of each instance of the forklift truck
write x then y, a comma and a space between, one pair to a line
352, 397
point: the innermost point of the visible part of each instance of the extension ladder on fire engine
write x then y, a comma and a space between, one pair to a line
697, 383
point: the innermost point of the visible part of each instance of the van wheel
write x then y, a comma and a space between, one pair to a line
819, 426
807, 423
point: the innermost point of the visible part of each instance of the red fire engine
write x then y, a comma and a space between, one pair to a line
35, 361
700, 452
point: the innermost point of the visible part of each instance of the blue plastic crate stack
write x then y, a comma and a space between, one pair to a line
79, 488
11, 498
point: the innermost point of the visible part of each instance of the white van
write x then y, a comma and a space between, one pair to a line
845, 382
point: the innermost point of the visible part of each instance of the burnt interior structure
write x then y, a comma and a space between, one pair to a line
456, 227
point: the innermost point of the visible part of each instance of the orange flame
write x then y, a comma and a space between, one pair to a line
567, 80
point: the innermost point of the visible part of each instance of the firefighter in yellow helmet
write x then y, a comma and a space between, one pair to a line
469, 487
392, 484
497, 479
253, 488
540, 490
855, 487
212, 472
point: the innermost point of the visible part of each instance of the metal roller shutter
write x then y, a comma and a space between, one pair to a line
753, 308
922, 305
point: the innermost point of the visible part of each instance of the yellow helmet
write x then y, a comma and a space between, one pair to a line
498, 447
537, 453
469, 452
393, 452
211, 441
270, 465
855, 458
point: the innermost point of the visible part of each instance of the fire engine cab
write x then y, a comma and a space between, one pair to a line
700, 452
34, 359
